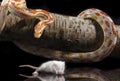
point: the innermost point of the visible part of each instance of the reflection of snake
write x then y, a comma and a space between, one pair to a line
18, 7
89, 73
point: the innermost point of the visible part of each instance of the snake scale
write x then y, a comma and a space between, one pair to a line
19, 8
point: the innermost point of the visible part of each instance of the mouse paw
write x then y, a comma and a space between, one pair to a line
35, 73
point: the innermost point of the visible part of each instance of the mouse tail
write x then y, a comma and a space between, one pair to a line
26, 76
30, 66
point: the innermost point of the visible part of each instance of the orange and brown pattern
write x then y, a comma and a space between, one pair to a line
19, 8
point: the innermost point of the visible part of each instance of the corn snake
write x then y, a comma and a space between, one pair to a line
18, 7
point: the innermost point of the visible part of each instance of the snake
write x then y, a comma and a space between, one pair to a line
110, 36
19, 8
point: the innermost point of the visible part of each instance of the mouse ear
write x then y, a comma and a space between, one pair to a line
63, 62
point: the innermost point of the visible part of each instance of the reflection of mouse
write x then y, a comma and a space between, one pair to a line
55, 67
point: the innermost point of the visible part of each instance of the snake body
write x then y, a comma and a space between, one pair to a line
19, 8
110, 36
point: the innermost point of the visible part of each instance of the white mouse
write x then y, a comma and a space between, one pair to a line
55, 67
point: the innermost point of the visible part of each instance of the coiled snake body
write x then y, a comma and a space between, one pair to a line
18, 7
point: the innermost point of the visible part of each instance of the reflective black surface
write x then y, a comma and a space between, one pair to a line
12, 56
81, 74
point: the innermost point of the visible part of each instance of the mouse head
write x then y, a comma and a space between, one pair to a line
59, 67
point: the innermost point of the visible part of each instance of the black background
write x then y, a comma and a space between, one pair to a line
12, 56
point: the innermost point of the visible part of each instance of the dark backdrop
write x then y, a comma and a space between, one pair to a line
12, 56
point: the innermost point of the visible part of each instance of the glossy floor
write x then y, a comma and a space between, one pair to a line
12, 57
